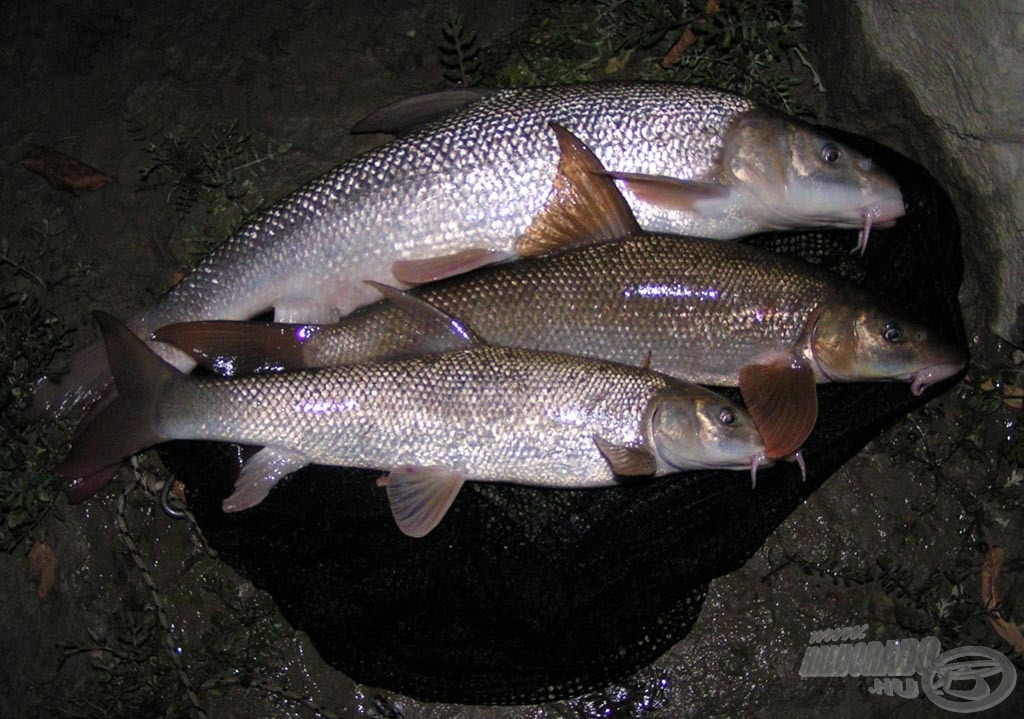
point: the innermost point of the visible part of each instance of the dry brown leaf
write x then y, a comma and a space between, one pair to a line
62, 171
991, 570
688, 37
1011, 394
42, 568
1008, 631
178, 492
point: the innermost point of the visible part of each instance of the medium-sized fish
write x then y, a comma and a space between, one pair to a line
724, 314
477, 185
481, 413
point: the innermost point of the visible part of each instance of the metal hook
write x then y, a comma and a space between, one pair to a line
175, 510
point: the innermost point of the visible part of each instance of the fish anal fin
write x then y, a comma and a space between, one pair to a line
783, 401
584, 206
87, 380
671, 193
434, 329
80, 489
240, 348
259, 474
421, 496
627, 461
431, 269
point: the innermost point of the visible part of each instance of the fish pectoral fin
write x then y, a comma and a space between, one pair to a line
259, 474
434, 329
421, 496
670, 193
584, 207
411, 113
627, 461
431, 269
298, 309
232, 349
783, 401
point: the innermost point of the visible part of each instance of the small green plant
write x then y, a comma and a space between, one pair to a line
459, 51
33, 342
129, 670
209, 176
753, 47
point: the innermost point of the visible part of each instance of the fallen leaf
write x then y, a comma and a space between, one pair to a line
42, 568
991, 596
991, 570
63, 172
1008, 631
688, 37
178, 492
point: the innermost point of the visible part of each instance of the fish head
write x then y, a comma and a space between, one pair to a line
797, 176
693, 428
869, 340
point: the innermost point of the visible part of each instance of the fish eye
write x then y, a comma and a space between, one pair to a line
892, 332
830, 153
726, 416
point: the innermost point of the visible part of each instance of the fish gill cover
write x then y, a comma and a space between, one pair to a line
526, 595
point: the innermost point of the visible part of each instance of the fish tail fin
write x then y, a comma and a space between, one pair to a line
128, 423
87, 381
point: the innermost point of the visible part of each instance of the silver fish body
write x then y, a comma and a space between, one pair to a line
492, 414
483, 413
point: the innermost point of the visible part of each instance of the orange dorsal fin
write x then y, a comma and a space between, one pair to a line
584, 207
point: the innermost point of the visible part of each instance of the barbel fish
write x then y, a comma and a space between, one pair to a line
476, 187
481, 413
725, 314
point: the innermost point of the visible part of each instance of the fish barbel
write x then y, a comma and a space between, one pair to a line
474, 187
432, 422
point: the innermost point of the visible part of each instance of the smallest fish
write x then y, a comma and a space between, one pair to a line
431, 422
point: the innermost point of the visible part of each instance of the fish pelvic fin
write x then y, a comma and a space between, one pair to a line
420, 497
783, 401
431, 269
584, 207
128, 424
434, 330
240, 348
259, 474
627, 461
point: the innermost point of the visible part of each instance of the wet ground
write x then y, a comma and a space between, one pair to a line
141, 620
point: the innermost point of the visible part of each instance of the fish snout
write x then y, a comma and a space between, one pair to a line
885, 210
925, 377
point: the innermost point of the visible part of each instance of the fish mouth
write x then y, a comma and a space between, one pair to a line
884, 213
925, 377
881, 214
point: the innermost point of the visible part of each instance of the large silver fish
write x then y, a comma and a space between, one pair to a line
725, 314
475, 187
434, 421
